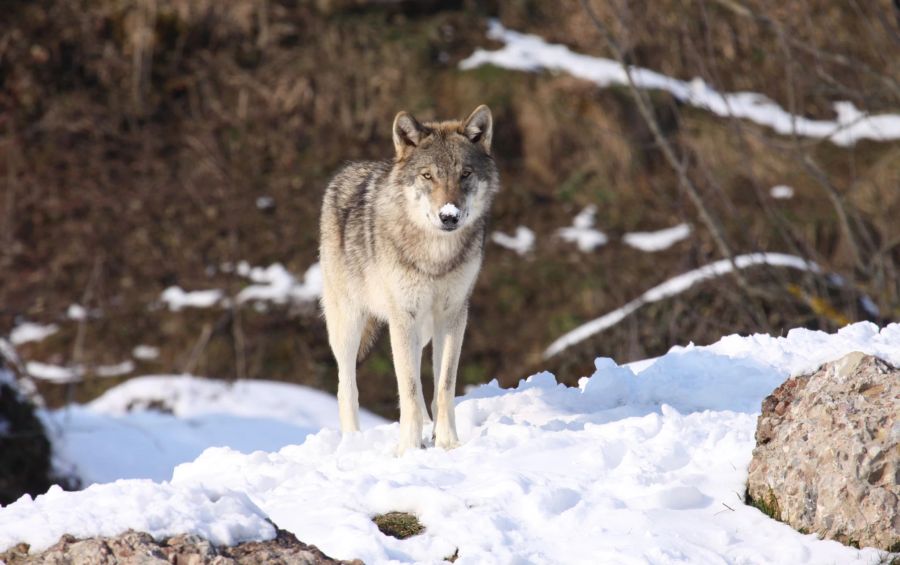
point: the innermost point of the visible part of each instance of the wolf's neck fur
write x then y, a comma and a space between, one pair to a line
428, 251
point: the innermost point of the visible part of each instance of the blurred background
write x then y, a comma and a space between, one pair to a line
162, 164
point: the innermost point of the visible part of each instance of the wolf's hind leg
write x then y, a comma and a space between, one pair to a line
345, 328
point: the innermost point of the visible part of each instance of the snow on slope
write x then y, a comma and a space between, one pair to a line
146, 426
527, 52
626, 468
675, 285
652, 241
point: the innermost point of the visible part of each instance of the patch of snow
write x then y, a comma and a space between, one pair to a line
29, 331
582, 231
160, 509
54, 373
265, 202
781, 192
176, 299
531, 53
449, 209
545, 473
144, 427
676, 285
119, 369
145, 352
276, 284
76, 312
651, 241
521, 243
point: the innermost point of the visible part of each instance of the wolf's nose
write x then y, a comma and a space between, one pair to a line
449, 220
449, 215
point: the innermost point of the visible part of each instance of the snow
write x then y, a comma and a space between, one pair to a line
276, 284
582, 231
640, 464
145, 352
76, 312
176, 299
117, 370
449, 209
30, 331
265, 203
146, 426
53, 373
781, 192
521, 243
160, 509
675, 285
525, 52
651, 241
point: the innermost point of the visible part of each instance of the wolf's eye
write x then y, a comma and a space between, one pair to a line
426, 176
465, 174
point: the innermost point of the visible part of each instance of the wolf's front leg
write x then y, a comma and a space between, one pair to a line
450, 333
405, 345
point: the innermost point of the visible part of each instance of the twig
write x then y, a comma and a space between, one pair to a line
669, 152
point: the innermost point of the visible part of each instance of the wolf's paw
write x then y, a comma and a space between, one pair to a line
404, 447
447, 444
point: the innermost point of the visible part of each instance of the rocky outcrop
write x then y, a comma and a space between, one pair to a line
24, 447
827, 458
140, 548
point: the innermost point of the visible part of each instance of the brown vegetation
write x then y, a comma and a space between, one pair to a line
136, 137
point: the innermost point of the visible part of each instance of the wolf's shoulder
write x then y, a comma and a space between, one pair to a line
354, 173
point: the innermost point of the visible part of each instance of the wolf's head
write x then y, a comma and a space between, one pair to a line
445, 169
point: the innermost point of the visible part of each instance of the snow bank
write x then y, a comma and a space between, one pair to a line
525, 52
676, 285
146, 426
582, 232
29, 331
628, 467
521, 243
652, 241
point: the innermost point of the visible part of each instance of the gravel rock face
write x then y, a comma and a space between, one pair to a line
827, 456
139, 548
24, 447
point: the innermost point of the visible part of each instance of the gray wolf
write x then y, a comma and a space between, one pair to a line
402, 242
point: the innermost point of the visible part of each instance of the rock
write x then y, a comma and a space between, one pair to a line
827, 456
24, 447
139, 548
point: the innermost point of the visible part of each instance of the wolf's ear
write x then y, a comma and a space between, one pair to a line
407, 132
479, 127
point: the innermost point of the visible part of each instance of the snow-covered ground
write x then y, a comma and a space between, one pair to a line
525, 52
582, 231
638, 464
652, 241
145, 427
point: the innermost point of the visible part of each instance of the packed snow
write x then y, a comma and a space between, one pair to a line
522, 242
146, 426
652, 241
676, 285
525, 52
145, 352
276, 284
582, 231
176, 299
638, 464
53, 373
29, 331
781, 192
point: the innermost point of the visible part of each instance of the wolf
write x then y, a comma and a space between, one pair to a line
402, 242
